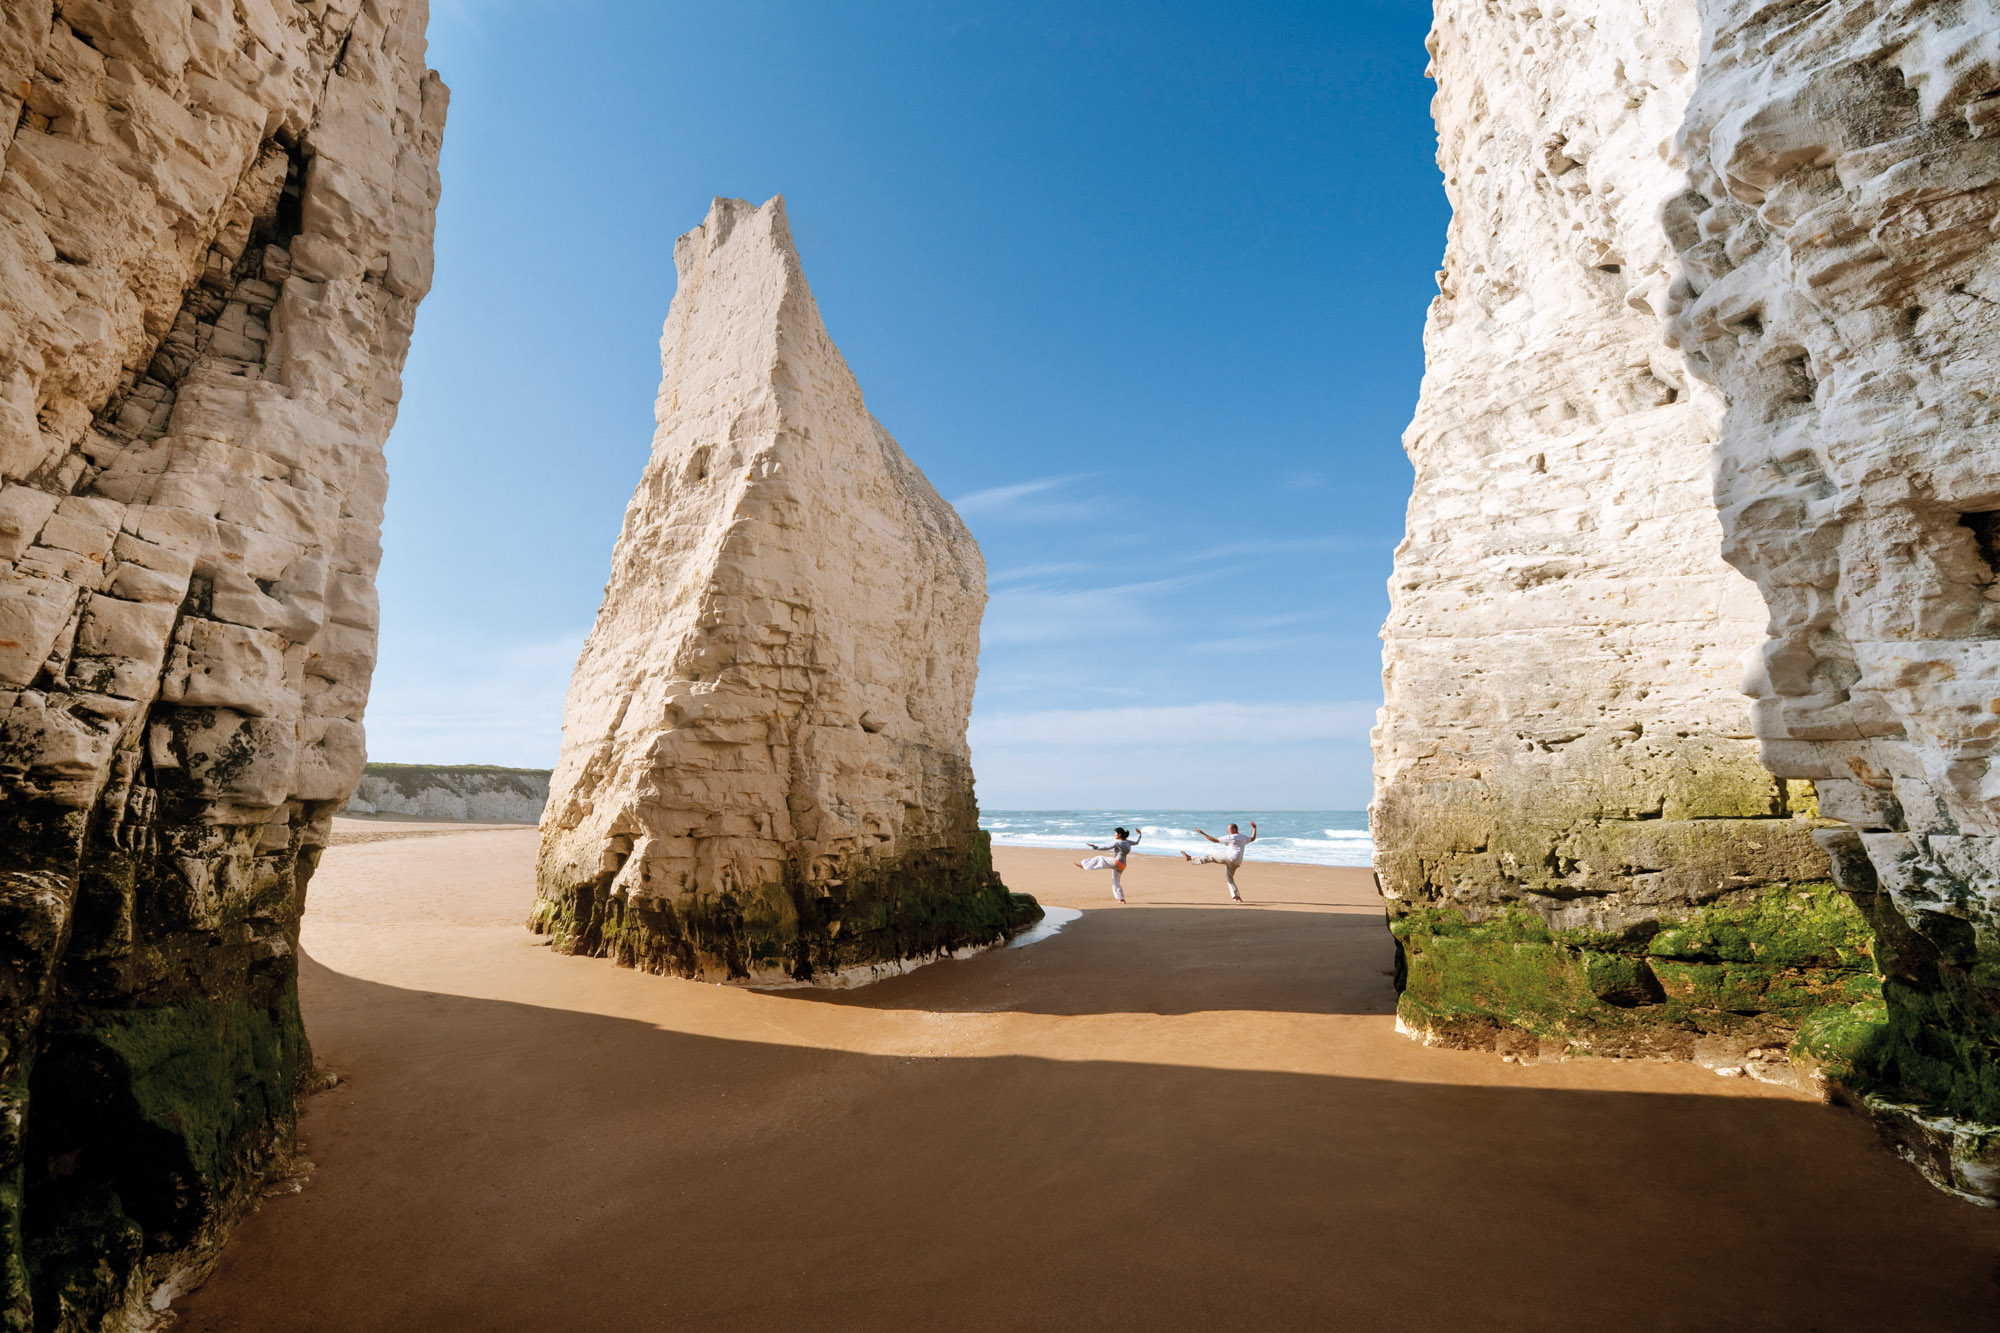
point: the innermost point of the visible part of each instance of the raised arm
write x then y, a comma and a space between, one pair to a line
1209, 836
1253, 830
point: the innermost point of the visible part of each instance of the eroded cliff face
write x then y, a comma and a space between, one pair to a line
1842, 287
215, 224
1579, 846
452, 791
764, 770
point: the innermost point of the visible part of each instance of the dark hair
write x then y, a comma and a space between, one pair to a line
1119, 831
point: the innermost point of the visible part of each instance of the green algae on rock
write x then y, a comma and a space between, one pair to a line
764, 772
234, 203
1589, 839
1732, 984
868, 924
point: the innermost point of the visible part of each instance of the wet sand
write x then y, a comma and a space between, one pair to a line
1174, 1114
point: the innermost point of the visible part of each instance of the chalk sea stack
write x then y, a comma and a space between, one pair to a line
764, 772
1720, 290
215, 226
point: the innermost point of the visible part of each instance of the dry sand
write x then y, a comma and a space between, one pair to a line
1174, 1114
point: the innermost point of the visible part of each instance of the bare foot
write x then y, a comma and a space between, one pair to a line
1186, 857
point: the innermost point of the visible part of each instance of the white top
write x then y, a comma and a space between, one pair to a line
1235, 842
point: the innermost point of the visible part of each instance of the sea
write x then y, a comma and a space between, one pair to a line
1313, 837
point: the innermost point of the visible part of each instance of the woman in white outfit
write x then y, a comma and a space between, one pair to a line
1120, 848
1230, 858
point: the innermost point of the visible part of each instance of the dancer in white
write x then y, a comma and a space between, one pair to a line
1115, 862
1230, 858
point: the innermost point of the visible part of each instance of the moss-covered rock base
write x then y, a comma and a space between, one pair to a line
878, 917
153, 1045
1929, 1069
1771, 982
153, 1127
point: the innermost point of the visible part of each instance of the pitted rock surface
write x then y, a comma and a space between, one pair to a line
1841, 284
215, 226
764, 770
1562, 746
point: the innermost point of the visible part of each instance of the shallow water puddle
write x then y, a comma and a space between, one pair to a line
1052, 922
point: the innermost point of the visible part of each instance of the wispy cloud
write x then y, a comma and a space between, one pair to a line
1224, 754
1040, 500
1262, 549
1220, 721
1025, 573
1039, 614
1251, 643
453, 704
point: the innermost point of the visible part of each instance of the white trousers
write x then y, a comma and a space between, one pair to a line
1228, 864
1117, 873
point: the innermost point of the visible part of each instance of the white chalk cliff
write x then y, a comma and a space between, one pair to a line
477, 792
215, 227
1841, 283
1719, 291
764, 769
1562, 731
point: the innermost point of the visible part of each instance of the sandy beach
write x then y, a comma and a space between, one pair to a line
1173, 1114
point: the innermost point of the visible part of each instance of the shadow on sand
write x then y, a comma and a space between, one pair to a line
501, 1166
1160, 960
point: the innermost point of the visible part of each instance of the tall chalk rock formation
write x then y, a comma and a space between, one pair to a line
1570, 813
1723, 283
1842, 285
215, 226
764, 770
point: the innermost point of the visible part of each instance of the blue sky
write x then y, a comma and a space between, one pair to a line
1140, 286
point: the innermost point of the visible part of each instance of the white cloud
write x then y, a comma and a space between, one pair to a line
1260, 549
1024, 572
1013, 502
1032, 614
461, 704
1195, 723
1273, 755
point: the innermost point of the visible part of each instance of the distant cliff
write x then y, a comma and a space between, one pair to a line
453, 791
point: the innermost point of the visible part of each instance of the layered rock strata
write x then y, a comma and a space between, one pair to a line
215, 225
1578, 845
1841, 284
452, 791
764, 772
